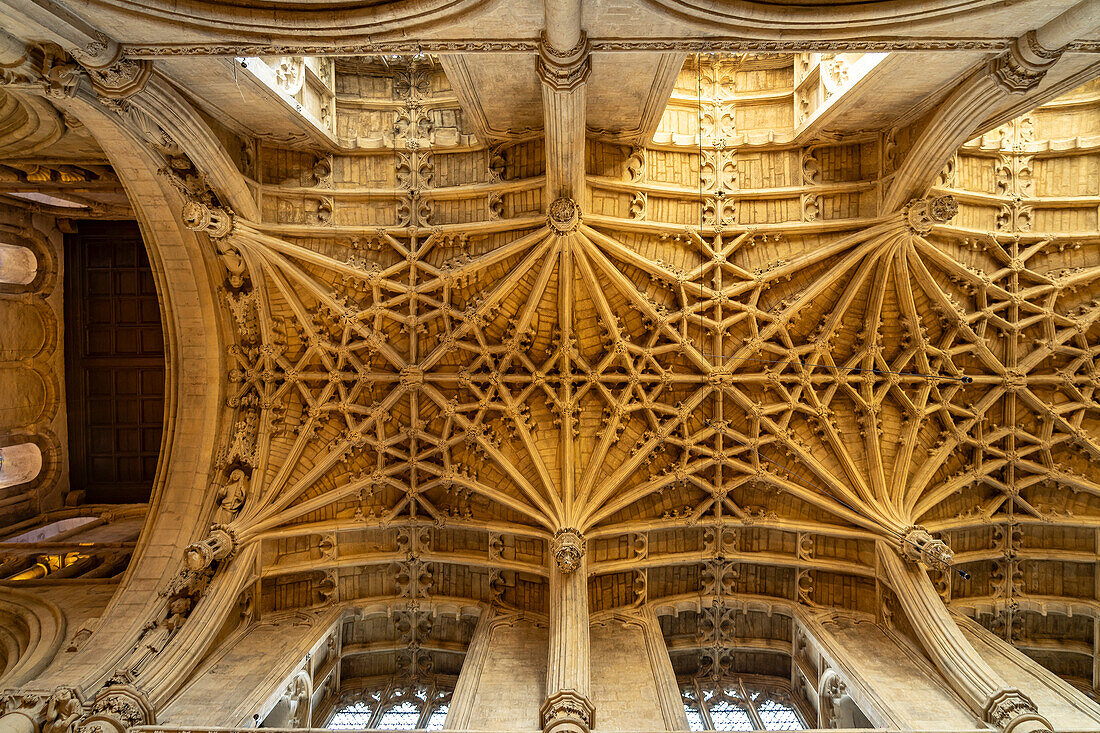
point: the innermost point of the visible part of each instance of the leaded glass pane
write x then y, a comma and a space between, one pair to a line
400, 717
727, 716
438, 716
695, 718
778, 716
351, 717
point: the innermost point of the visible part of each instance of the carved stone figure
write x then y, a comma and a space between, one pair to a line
234, 494
62, 712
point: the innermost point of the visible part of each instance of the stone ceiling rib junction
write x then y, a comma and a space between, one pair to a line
563, 365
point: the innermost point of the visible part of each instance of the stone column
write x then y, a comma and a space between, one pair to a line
563, 66
117, 708
21, 712
980, 687
568, 707
1016, 71
462, 700
668, 691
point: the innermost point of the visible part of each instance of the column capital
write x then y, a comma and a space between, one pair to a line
564, 70
117, 708
1010, 709
1022, 67
124, 78
567, 711
568, 547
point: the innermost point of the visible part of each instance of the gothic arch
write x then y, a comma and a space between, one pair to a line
31, 631
804, 17
193, 408
27, 239
290, 20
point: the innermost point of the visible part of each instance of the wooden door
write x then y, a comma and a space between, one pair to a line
114, 361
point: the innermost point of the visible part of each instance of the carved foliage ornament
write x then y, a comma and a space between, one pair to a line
568, 548
17, 702
564, 215
567, 710
1007, 708
120, 707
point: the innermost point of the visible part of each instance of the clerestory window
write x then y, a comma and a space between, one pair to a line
739, 705
397, 706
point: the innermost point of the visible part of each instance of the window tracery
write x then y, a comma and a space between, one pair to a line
736, 704
397, 706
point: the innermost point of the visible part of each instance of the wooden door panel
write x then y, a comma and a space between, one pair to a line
114, 355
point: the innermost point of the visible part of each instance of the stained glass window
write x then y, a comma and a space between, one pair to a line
394, 707
739, 705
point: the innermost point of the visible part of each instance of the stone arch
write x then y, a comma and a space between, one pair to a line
17, 245
26, 329
194, 404
28, 392
19, 464
31, 632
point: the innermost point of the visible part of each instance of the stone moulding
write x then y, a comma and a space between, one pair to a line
852, 17
250, 19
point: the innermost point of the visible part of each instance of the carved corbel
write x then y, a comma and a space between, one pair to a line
217, 546
567, 711
564, 70
564, 215
918, 546
1022, 67
56, 72
212, 220
117, 708
923, 214
568, 548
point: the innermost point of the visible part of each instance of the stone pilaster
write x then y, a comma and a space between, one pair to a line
563, 73
568, 707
